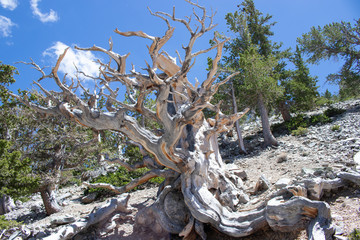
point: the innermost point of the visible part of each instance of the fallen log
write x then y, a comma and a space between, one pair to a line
300, 213
98, 215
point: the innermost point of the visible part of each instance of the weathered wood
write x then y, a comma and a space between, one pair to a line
186, 145
98, 215
48, 195
317, 186
6, 204
136, 182
353, 177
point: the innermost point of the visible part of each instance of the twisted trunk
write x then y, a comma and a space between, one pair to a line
48, 195
200, 189
284, 110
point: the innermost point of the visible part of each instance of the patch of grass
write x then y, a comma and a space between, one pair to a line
354, 235
300, 131
335, 128
7, 224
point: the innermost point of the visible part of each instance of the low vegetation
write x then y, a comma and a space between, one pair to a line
354, 235
7, 224
120, 178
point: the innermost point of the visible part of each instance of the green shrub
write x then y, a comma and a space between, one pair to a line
121, 178
335, 128
302, 121
7, 224
331, 112
299, 132
298, 121
319, 119
16, 178
354, 235
69, 178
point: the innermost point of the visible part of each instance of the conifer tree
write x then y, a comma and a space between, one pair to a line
336, 41
300, 88
253, 54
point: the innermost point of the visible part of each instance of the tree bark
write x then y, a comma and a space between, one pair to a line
6, 204
269, 139
284, 110
237, 126
48, 195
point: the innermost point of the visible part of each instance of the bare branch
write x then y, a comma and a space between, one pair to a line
136, 182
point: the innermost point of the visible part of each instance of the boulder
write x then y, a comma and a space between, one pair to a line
89, 198
282, 182
62, 220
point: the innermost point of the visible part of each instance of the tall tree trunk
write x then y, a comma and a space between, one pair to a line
284, 110
237, 127
269, 139
48, 195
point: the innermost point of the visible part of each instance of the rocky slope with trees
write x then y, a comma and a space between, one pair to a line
322, 152
175, 123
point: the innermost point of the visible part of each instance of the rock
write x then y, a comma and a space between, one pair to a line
41, 235
282, 157
282, 182
89, 198
36, 207
240, 173
262, 184
307, 171
61, 220
357, 158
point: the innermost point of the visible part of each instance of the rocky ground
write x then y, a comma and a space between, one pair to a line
321, 152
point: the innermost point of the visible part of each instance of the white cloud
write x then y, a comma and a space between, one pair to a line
10, 4
5, 26
83, 60
44, 17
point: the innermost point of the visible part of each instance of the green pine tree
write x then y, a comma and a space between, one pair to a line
256, 57
16, 178
300, 88
336, 41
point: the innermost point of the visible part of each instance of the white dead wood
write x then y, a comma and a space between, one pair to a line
98, 215
186, 147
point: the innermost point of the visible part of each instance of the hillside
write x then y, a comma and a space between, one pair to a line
322, 152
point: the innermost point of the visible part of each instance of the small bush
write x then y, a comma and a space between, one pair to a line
319, 119
298, 121
68, 178
121, 178
335, 128
279, 128
7, 224
299, 132
331, 112
354, 235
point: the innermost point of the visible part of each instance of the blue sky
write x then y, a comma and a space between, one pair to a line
40, 29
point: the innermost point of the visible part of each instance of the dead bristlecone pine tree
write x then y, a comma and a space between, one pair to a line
198, 189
